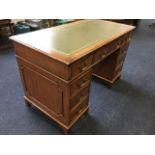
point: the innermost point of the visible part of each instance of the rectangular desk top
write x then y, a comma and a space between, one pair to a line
68, 43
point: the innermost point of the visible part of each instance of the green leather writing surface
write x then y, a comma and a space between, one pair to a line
69, 39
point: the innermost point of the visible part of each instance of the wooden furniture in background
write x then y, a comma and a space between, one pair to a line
6, 30
56, 65
133, 22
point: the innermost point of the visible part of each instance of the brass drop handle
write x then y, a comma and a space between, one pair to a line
82, 84
118, 45
78, 98
83, 68
60, 115
103, 56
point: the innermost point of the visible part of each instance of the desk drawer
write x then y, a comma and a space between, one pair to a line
80, 83
121, 58
76, 112
123, 39
103, 52
99, 55
76, 100
81, 66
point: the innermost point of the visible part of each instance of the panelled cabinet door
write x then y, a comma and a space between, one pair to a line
43, 91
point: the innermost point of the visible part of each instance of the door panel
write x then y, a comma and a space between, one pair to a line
43, 90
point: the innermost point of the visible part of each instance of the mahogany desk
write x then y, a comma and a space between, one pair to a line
56, 65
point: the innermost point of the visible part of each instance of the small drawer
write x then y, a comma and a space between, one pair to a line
99, 55
116, 44
122, 53
80, 83
119, 42
119, 66
125, 39
76, 100
113, 46
121, 56
79, 109
118, 70
103, 52
81, 66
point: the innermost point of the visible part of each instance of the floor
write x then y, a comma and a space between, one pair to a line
126, 109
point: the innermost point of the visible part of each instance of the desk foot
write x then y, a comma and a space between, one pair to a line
28, 104
65, 131
108, 83
86, 112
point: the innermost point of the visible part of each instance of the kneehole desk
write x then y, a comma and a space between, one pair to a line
56, 65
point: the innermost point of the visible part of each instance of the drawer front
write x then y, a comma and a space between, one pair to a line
99, 55
79, 109
123, 39
120, 60
103, 52
81, 66
80, 83
78, 99
120, 41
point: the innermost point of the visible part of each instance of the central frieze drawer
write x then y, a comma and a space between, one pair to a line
103, 52
99, 55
